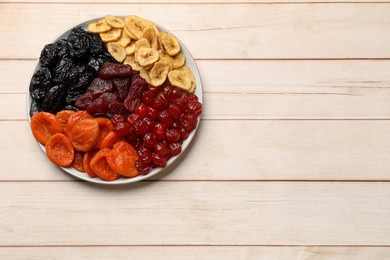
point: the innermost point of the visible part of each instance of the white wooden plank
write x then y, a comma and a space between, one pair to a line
242, 31
256, 76
240, 150
195, 253
195, 213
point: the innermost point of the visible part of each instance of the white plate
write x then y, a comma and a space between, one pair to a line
198, 91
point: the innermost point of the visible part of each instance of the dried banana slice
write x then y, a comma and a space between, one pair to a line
146, 56
99, 27
115, 22
178, 60
130, 49
150, 35
128, 33
179, 78
124, 40
158, 74
117, 51
136, 25
145, 75
190, 76
111, 36
142, 43
129, 60
159, 37
170, 44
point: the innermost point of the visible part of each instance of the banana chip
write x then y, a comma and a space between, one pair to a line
155, 55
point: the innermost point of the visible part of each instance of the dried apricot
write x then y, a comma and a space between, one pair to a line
101, 168
77, 116
87, 160
44, 125
122, 159
110, 139
84, 134
105, 127
64, 115
78, 161
59, 150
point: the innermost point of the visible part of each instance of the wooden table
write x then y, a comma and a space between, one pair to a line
291, 160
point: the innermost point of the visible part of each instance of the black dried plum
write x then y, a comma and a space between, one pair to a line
54, 99
70, 107
35, 107
61, 71
111, 70
95, 63
75, 73
72, 96
40, 83
95, 44
78, 43
83, 80
48, 55
62, 48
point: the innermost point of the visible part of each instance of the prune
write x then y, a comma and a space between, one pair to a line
134, 96
40, 83
62, 48
122, 85
78, 43
54, 99
99, 86
95, 44
72, 96
61, 71
48, 55
95, 63
111, 70
75, 73
83, 80
35, 107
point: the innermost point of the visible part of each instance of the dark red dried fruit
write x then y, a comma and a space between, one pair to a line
165, 118
134, 96
111, 70
161, 149
159, 160
171, 93
120, 125
100, 86
172, 135
159, 103
159, 130
174, 148
150, 140
143, 167
118, 108
122, 85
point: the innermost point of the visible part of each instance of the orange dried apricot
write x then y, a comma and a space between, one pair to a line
86, 162
105, 127
84, 134
110, 139
44, 125
59, 150
78, 161
122, 159
75, 117
63, 116
101, 168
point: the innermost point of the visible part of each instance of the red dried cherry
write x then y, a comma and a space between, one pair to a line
150, 140
165, 118
161, 149
172, 135
159, 160
159, 130
141, 110
174, 148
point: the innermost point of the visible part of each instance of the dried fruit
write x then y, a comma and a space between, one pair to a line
122, 159
112, 70
44, 125
84, 134
101, 168
59, 150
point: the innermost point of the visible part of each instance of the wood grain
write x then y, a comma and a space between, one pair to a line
202, 213
170, 2
288, 31
195, 253
240, 150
